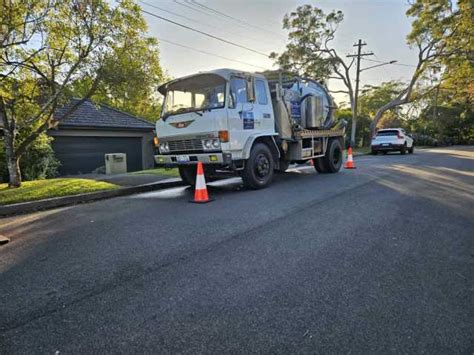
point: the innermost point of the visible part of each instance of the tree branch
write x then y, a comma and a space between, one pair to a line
45, 125
339, 92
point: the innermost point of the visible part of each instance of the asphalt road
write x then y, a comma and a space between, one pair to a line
373, 260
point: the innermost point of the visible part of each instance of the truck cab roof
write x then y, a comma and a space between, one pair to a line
225, 73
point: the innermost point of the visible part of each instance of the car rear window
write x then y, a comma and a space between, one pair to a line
387, 133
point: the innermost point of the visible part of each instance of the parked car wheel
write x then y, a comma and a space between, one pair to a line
412, 149
258, 171
404, 149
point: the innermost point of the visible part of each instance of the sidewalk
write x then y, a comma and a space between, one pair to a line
133, 179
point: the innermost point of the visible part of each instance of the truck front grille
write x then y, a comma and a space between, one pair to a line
185, 145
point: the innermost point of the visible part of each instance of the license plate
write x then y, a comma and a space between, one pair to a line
385, 145
182, 158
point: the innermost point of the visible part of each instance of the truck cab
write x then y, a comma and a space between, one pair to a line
225, 119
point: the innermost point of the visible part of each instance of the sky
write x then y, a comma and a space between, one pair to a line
382, 24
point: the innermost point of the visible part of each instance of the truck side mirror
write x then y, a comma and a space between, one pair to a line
250, 89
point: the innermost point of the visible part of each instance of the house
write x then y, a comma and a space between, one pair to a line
93, 130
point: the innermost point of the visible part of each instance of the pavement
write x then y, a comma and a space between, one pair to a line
127, 179
373, 260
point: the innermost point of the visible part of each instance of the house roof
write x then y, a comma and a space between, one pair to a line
92, 115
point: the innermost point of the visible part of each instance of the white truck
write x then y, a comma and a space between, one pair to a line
248, 123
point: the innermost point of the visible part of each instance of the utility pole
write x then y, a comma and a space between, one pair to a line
359, 55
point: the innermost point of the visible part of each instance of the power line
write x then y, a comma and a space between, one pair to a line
383, 67
400, 64
210, 54
226, 15
196, 21
191, 7
201, 10
213, 10
204, 33
169, 12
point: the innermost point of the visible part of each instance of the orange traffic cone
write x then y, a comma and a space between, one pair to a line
350, 161
200, 192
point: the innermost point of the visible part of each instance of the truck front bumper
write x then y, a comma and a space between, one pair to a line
172, 160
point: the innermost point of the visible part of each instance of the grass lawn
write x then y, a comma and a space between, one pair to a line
158, 171
41, 189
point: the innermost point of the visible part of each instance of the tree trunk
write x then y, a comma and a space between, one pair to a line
373, 124
378, 115
14, 172
13, 162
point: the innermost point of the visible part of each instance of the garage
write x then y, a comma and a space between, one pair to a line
79, 155
82, 140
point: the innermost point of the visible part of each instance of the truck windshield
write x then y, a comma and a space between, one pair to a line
198, 93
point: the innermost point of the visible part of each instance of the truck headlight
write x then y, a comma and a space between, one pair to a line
211, 144
164, 147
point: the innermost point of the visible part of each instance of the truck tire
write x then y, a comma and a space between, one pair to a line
320, 165
283, 166
333, 156
188, 174
412, 149
258, 170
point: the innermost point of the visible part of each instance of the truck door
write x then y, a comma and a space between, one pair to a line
247, 118
263, 110
241, 119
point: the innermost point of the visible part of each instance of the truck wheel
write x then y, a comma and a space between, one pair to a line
258, 171
188, 174
333, 157
320, 165
283, 166
412, 149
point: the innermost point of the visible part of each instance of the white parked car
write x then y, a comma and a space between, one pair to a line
392, 139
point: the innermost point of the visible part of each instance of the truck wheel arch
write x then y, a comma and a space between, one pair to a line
266, 139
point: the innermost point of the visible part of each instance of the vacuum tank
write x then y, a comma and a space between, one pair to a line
302, 104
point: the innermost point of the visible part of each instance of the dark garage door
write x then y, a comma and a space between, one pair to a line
82, 155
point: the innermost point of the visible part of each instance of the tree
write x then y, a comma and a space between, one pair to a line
374, 96
370, 99
43, 56
440, 32
131, 75
444, 118
309, 53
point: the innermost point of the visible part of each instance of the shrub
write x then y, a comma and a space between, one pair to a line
38, 162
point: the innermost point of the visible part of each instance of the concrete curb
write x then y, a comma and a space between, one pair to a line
4, 240
27, 207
